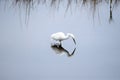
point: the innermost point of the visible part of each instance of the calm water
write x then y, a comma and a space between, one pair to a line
26, 53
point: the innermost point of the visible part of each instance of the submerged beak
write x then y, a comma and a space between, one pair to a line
74, 40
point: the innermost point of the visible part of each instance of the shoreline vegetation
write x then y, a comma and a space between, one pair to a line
28, 5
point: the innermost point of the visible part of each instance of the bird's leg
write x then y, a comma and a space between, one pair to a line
60, 43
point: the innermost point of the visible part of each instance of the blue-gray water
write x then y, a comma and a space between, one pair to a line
26, 53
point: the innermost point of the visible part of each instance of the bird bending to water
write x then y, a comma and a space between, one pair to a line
60, 36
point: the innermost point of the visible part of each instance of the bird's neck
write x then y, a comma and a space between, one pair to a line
67, 36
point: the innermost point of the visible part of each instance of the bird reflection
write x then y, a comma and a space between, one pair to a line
60, 50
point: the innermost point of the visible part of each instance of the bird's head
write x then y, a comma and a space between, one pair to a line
72, 36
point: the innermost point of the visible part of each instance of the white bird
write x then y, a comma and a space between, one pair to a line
60, 36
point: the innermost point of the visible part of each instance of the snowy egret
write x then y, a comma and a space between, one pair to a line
60, 36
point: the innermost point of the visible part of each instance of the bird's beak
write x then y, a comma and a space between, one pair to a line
74, 40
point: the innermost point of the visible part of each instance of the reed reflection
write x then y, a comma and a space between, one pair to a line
61, 50
56, 4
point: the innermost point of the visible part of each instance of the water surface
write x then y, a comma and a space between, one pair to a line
26, 53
